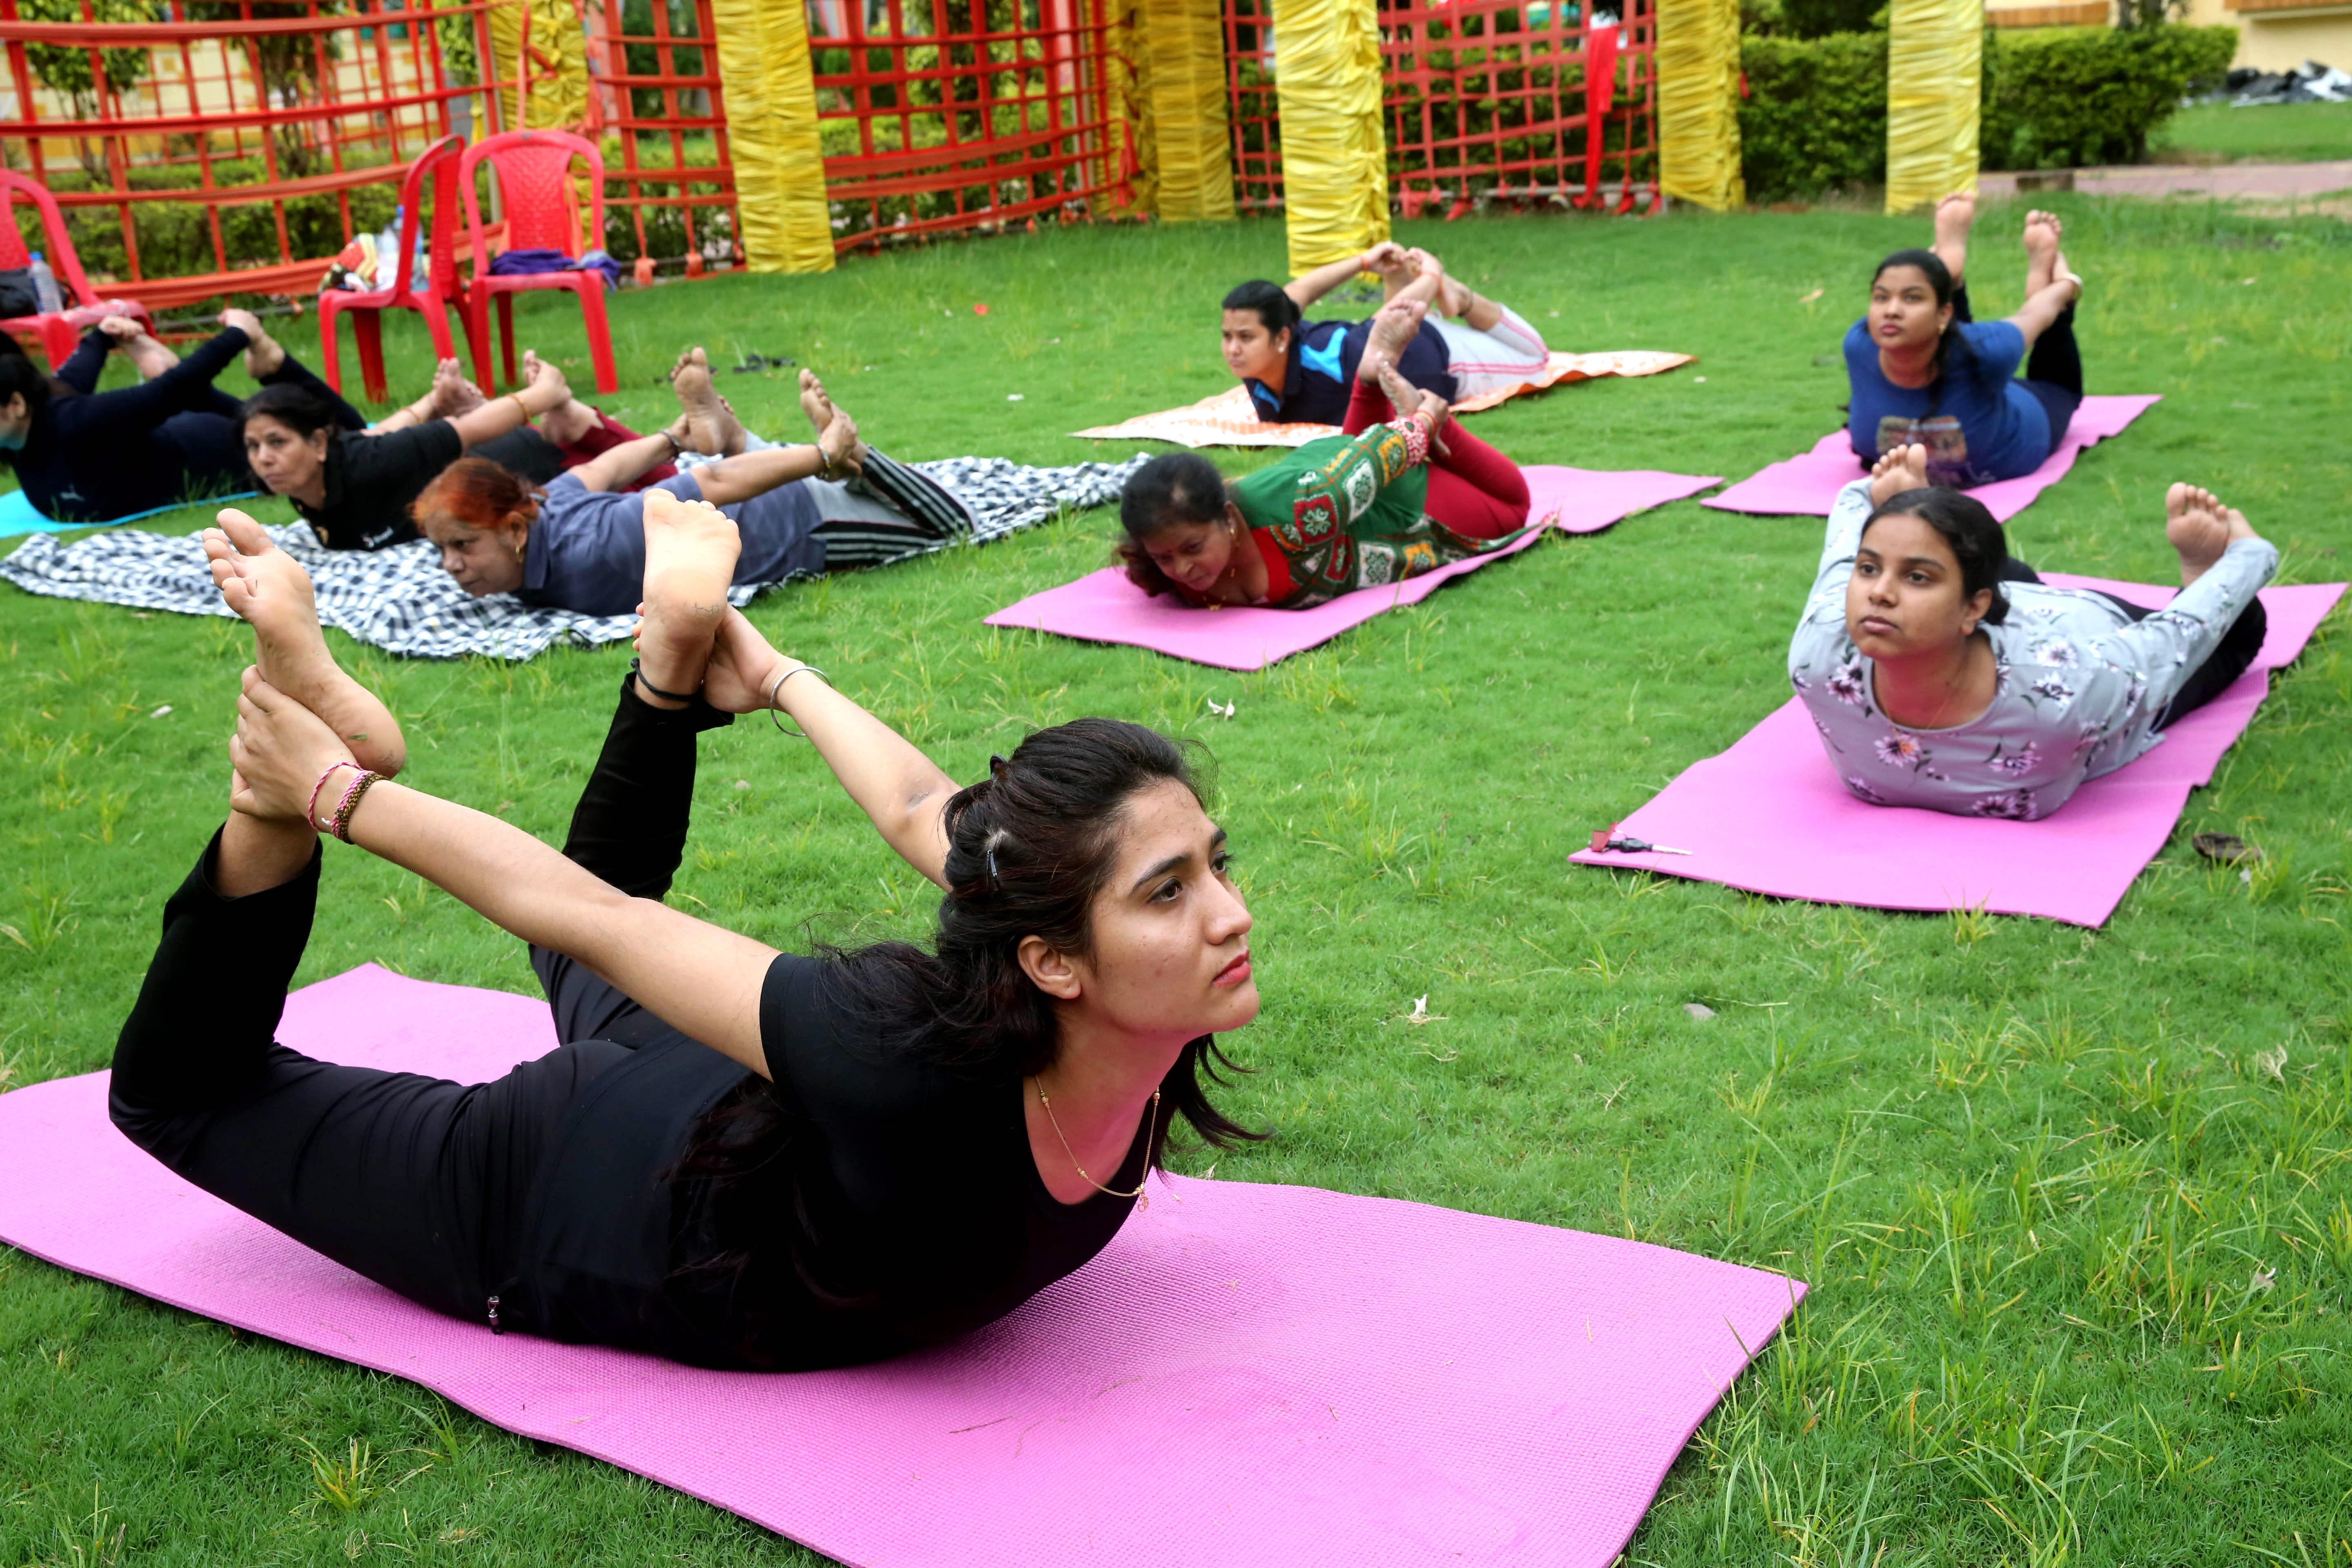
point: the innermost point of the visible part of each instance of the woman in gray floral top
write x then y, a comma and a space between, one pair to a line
1942, 674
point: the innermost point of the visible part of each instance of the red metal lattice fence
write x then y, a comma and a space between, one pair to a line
1483, 100
670, 192
974, 114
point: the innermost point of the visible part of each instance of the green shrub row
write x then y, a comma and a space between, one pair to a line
1815, 115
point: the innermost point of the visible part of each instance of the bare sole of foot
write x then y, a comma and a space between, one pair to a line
2042, 231
262, 357
1393, 329
713, 428
453, 391
269, 592
691, 548
2197, 526
1956, 215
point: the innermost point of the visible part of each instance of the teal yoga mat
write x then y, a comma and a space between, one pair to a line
18, 515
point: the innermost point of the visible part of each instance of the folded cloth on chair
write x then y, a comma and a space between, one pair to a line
1807, 485
527, 262
1769, 814
1246, 1374
401, 600
19, 515
1104, 606
1230, 419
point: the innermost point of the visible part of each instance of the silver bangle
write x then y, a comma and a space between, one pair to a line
777, 685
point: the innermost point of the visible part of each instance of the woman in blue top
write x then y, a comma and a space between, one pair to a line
1924, 372
1302, 371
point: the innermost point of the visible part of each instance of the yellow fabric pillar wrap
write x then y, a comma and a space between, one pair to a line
1335, 179
1935, 70
1134, 133
1698, 102
771, 134
552, 102
1183, 56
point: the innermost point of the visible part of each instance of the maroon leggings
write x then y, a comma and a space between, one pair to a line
1472, 488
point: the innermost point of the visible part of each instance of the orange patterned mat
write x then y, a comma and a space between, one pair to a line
1229, 419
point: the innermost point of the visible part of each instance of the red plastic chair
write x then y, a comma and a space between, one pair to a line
441, 291
58, 329
534, 170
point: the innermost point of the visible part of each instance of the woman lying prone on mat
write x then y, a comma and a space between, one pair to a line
580, 544
1923, 370
1943, 674
867, 1152
1390, 499
353, 486
86, 456
1301, 372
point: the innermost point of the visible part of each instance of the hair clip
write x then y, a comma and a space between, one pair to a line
996, 766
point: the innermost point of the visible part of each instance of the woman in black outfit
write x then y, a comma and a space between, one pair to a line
867, 1151
86, 456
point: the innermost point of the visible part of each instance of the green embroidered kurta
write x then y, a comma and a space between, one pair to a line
1348, 513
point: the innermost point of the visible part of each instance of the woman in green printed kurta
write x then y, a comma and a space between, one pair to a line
1390, 499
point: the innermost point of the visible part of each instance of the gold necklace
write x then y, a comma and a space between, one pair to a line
1143, 1202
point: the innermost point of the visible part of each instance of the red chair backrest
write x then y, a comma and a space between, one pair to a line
534, 170
58, 252
437, 162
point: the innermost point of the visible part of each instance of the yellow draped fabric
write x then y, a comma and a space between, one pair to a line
771, 134
1698, 102
1134, 130
1934, 63
554, 72
1183, 75
1335, 182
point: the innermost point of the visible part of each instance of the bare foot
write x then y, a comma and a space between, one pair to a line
453, 391
1955, 215
714, 429
150, 357
1903, 468
269, 592
262, 354
690, 552
1393, 330
2042, 233
1453, 298
2198, 526
1406, 399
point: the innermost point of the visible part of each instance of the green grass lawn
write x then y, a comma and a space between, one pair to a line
2076, 1205
2273, 133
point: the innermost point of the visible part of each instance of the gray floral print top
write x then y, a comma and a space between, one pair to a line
2081, 685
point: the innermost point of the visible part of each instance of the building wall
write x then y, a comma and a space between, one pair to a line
2270, 37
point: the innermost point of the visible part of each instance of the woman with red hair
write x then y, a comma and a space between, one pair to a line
579, 544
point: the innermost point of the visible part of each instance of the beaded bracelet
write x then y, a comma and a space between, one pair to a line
778, 685
341, 826
310, 812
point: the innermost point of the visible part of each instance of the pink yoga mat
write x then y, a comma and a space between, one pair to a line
1104, 606
1771, 817
1809, 484
1249, 1375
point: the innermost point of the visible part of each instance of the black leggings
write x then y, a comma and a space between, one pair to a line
2053, 366
2231, 658
419, 1183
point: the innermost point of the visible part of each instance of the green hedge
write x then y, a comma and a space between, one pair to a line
2069, 98
1815, 117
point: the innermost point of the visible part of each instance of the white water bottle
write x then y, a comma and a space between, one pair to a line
45, 286
387, 251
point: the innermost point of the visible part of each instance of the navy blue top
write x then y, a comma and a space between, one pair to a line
108, 454
1977, 421
587, 549
1323, 359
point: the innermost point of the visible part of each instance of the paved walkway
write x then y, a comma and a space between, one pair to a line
2186, 179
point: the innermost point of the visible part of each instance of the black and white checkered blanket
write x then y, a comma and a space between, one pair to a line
401, 600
